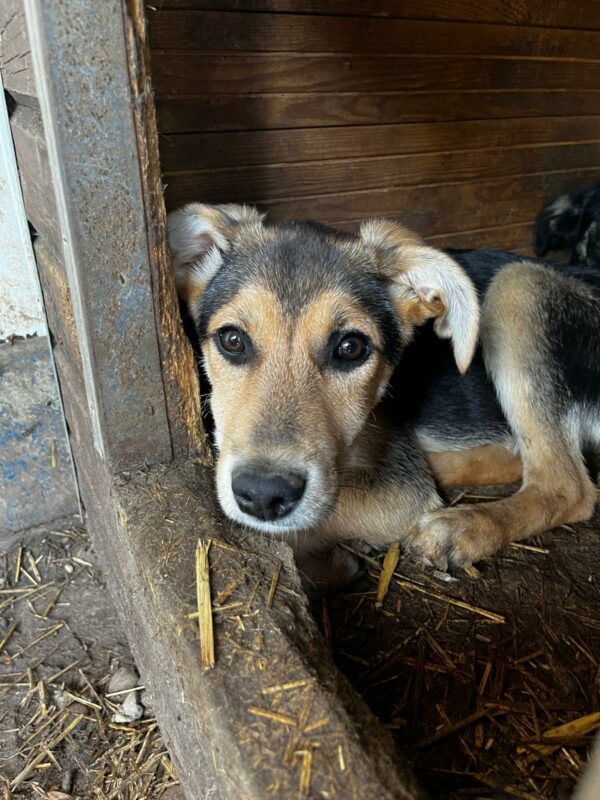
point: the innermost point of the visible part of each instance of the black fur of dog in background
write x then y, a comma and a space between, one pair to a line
571, 222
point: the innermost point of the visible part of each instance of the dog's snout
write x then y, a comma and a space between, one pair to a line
265, 494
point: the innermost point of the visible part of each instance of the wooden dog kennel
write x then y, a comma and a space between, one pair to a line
461, 118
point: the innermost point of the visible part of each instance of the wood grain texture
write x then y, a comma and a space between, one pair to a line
264, 111
34, 173
92, 151
193, 151
15, 54
274, 181
272, 73
514, 236
177, 362
213, 31
468, 115
215, 737
441, 209
558, 13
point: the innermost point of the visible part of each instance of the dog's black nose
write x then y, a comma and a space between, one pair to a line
267, 495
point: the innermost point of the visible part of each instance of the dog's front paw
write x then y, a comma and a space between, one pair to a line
458, 537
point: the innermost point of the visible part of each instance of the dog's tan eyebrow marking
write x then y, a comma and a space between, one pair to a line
334, 310
250, 304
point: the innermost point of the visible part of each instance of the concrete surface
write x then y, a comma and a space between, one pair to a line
36, 475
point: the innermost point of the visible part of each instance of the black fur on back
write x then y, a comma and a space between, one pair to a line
428, 390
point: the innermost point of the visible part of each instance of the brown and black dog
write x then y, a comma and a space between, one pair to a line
353, 375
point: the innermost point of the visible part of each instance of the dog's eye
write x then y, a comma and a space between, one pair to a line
352, 349
231, 340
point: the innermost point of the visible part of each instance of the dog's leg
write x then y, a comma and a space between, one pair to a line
480, 466
556, 487
556, 490
325, 570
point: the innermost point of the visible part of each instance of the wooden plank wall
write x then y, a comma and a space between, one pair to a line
460, 117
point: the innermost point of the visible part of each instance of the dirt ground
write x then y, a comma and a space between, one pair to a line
473, 674
60, 643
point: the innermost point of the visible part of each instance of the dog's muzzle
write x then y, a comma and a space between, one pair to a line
265, 493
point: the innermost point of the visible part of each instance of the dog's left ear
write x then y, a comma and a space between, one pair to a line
426, 283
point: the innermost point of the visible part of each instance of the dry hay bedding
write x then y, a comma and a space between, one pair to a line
63, 733
473, 675
469, 674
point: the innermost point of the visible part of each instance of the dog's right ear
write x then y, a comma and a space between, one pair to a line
199, 236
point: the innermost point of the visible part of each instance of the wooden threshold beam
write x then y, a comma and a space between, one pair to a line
232, 730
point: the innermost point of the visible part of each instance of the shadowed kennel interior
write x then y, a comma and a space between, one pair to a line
461, 119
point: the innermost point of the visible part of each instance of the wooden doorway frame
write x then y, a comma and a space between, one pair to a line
131, 396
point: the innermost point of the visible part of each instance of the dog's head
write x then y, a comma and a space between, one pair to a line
301, 327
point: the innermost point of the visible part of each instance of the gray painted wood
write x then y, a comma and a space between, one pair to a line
37, 480
84, 94
37, 484
21, 311
34, 173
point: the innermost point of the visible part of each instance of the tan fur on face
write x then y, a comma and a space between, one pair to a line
285, 407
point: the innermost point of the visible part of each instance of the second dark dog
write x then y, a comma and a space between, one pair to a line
571, 222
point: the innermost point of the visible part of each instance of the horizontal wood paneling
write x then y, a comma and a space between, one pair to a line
556, 13
461, 118
237, 149
271, 73
213, 31
446, 208
273, 181
515, 236
257, 112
